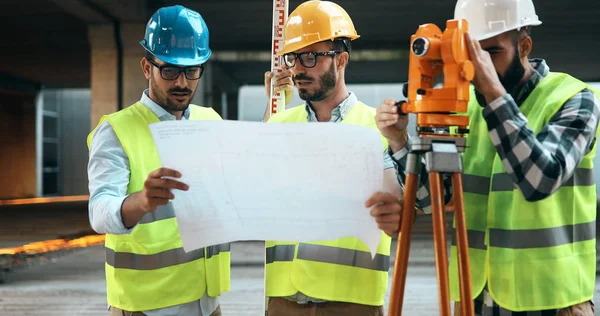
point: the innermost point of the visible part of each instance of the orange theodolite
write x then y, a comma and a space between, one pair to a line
433, 52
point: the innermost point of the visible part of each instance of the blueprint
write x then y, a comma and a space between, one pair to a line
288, 182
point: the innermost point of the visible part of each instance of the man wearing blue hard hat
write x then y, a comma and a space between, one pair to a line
147, 270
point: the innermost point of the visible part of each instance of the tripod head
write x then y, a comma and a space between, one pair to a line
431, 54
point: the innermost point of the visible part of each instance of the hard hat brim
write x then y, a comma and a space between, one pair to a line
301, 44
181, 61
492, 34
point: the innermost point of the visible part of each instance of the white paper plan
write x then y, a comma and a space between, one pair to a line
287, 182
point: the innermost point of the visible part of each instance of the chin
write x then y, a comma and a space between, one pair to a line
303, 94
176, 106
183, 104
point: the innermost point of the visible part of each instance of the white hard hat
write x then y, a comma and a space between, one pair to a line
488, 18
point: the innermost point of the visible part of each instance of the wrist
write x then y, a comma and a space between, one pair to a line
135, 204
392, 234
494, 93
132, 211
398, 144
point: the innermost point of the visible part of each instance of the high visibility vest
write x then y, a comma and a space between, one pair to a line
533, 255
339, 270
148, 268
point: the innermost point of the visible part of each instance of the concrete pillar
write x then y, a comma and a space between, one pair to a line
105, 63
104, 71
39, 143
134, 82
18, 145
202, 96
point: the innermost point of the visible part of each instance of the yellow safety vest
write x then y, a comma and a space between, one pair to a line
533, 255
148, 268
339, 270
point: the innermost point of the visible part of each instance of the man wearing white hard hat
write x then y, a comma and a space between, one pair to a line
529, 192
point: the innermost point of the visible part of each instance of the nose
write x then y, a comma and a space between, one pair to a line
181, 81
296, 70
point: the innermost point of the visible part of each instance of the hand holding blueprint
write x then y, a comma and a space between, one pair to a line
287, 182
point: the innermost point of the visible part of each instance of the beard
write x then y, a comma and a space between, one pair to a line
326, 85
511, 80
162, 97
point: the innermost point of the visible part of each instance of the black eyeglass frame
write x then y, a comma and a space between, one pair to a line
300, 56
178, 69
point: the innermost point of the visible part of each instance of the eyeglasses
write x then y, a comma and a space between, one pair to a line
307, 59
173, 72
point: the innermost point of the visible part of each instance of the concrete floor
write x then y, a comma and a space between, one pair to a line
74, 285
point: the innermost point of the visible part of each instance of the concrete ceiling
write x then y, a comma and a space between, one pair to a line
46, 41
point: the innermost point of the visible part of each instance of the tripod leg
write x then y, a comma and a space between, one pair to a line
466, 302
403, 247
439, 238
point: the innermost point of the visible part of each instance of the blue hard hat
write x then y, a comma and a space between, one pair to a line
178, 36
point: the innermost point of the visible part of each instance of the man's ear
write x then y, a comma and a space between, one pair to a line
343, 60
525, 47
146, 68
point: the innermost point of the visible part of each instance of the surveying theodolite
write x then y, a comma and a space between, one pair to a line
431, 53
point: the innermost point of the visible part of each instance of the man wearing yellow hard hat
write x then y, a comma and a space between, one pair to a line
334, 277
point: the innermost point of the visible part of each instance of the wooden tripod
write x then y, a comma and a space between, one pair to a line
441, 155
434, 52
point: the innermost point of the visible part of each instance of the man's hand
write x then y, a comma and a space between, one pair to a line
486, 79
157, 189
156, 192
392, 125
387, 211
283, 81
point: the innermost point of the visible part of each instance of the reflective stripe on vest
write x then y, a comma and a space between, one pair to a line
126, 260
531, 238
545, 237
215, 250
581, 177
171, 257
328, 254
476, 239
161, 212
280, 253
503, 182
476, 184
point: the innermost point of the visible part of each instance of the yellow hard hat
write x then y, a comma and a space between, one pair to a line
315, 21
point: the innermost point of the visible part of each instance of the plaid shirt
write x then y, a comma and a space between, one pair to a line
555, 152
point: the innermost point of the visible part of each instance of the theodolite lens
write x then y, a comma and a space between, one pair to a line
420, 46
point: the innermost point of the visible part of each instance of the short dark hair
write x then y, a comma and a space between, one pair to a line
517, 35
148, 55
342, 44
